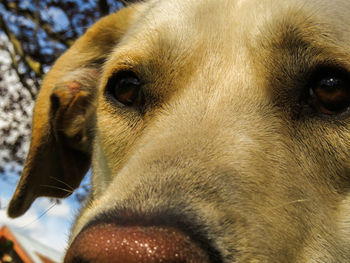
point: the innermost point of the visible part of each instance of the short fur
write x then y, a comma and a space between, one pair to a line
224, 140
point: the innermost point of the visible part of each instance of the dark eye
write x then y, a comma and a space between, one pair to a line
329, 91
126, 89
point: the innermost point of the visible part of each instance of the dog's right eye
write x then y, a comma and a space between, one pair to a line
125, 88
329, 91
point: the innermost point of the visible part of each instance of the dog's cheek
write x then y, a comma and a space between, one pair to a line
118, 130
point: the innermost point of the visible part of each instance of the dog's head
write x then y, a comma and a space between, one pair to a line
218, 131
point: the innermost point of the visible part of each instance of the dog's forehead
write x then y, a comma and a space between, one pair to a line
225, 31
210, 18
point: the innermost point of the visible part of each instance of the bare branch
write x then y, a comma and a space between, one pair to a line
32, 64
21, 76
13, 7
103, 7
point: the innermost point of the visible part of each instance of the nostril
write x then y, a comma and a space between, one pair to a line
130, 244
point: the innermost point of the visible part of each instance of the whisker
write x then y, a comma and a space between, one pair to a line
40, 216
58, 188
62, 182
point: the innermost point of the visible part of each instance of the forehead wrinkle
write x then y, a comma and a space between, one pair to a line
235, 23
314, 23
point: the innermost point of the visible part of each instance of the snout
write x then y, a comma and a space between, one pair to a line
108, 242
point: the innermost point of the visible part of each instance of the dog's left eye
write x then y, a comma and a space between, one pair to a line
125, 88
329, 92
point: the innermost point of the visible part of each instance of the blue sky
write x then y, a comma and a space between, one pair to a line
44, 221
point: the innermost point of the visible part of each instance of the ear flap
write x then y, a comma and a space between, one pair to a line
60, 150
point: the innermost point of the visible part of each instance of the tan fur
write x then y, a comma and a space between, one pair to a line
223, 141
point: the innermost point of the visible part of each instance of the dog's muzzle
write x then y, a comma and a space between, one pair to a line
107, 242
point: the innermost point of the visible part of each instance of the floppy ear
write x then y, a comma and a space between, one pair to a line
60, 150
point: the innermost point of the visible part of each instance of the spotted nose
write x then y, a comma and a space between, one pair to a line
130, 244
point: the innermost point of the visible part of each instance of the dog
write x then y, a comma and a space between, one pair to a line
217, 131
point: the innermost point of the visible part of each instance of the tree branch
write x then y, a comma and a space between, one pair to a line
13, 7
21, 76
103, 7
32, 64
18, 50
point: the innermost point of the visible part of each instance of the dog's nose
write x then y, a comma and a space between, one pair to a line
130, 244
